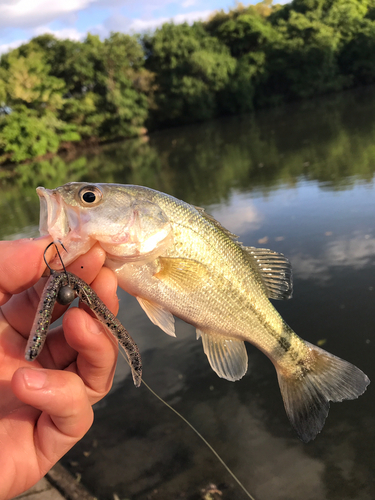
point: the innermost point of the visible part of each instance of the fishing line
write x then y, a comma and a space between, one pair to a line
193, 429
110, 336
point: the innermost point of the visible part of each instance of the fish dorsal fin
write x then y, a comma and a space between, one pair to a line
275, 271
180, 274
227, 356
158, 315
216, 223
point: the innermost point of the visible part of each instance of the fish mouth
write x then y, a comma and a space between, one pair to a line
63, 224
53, 220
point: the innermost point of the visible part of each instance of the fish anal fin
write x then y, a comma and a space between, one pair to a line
158, 315
306, 398
181, 274
227, 356
275, 271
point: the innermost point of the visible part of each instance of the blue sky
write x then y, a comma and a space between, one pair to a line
20, 20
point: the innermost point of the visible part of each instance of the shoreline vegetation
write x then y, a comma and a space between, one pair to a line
61, 94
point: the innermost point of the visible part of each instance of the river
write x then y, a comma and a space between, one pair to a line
298, 180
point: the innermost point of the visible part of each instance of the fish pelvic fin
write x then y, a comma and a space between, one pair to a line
158, 315
306, 399
227, 356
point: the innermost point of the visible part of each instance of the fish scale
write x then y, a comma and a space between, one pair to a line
229, 264
179, 261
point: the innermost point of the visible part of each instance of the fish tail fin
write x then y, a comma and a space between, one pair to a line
306, 399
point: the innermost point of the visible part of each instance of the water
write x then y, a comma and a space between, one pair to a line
299, 180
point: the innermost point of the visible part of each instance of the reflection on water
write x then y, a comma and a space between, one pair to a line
299, 181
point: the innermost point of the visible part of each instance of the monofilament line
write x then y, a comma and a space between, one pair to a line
195, 430
200, 437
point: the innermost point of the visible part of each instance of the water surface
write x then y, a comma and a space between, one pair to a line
298, 180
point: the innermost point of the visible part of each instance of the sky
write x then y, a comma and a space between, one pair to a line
21, 20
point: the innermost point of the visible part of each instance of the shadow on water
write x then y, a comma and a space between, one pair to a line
298, 180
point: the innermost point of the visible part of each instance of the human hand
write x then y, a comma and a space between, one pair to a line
45, 406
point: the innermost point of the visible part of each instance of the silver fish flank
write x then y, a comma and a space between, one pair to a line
179, 261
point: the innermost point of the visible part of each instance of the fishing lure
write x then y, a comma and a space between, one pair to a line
63, 287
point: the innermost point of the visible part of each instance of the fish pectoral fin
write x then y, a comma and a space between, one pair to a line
275, 271
158, 315
182, 274
227, 356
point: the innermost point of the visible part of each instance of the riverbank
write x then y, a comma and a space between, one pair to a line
58, 484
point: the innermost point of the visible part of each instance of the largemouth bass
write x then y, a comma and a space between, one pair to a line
179, 261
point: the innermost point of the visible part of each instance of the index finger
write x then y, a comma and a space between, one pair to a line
21, 265
87, 266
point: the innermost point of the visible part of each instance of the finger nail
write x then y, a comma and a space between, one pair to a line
95, 326
34, 379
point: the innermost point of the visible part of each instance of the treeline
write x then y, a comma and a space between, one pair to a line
54, 92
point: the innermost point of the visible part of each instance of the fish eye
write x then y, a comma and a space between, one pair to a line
90, 195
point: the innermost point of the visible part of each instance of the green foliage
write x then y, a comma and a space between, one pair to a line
191, 68
25, 135
61, 90
252, 56
3, 92
124, 107
244, 33
27, 81
357, 56
302, 62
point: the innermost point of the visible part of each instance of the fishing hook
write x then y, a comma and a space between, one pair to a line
66, 294
58, 253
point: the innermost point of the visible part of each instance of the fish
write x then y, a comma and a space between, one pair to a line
178, 261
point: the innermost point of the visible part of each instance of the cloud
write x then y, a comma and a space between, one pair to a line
307, 267
122, 23
27, 14
242, 216
188, 3
70, 33
34, 17
356, 253
6, 47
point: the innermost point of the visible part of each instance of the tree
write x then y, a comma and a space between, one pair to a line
25, 135
124, 100
33, 97
27, 82
191, 68
357, 56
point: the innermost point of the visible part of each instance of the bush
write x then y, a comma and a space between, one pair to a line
24, 135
